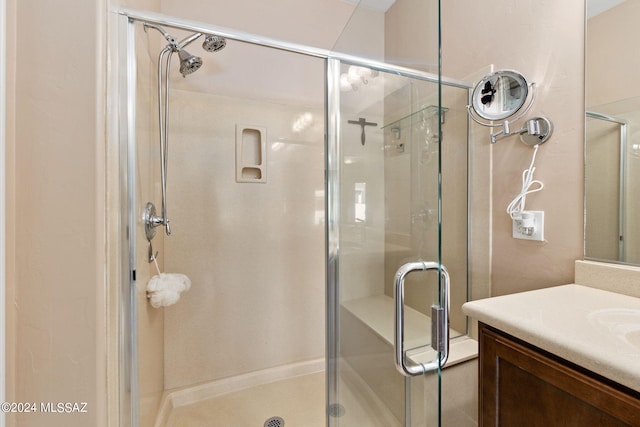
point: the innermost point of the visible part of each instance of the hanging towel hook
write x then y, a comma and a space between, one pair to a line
151, 256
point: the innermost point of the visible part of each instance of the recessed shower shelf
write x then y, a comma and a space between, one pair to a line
251, 152
427, 108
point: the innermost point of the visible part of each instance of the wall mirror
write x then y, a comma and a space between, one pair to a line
499, 95
612, 132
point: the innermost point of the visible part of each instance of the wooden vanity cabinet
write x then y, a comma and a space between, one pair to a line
521, 385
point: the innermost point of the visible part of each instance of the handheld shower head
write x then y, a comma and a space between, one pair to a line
188, 62
213, 43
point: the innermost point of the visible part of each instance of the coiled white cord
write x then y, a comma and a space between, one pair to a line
516, 207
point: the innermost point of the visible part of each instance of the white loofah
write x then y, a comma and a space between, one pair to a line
165, 289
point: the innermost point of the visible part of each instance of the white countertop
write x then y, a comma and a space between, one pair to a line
595, 329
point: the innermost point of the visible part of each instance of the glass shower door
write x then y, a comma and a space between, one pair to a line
387, 289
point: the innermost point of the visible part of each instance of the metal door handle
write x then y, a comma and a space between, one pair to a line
439, 320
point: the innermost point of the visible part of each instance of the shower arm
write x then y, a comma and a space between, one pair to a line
173, 44
188, 40
167, 36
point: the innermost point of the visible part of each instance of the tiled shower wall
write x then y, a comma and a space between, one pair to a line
254, 251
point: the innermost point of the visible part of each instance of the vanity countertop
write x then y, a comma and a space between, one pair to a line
595, 329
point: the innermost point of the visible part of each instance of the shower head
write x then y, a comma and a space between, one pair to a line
188, 62
213, 43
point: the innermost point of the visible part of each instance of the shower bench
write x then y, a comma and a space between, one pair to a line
369, 324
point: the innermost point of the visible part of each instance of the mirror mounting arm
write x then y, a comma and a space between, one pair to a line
505, 132
535, 131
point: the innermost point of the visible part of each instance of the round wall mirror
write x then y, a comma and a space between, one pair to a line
499, 95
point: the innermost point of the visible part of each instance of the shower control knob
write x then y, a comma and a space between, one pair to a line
151, 221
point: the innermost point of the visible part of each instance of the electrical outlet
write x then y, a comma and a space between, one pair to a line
531, 227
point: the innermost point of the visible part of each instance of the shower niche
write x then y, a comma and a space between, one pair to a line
251, 165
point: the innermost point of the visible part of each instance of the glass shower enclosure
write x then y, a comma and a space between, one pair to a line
397, 252
318, 203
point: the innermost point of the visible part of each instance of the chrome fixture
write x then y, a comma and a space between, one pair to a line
151, 221
274, 422
188, 64
439, 321
213, 43
535, 131
500, 96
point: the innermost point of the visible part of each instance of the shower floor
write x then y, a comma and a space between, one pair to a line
299, 401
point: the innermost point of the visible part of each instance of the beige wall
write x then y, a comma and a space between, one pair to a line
9, 170
477, 36
408, 40
610, 36
56, 307
56, 294
308, 22
551, 53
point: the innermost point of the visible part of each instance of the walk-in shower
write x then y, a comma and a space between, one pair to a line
290, 316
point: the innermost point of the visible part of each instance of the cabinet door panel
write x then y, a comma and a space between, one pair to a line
523, 386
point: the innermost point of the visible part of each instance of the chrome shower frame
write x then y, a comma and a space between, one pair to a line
128, 18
